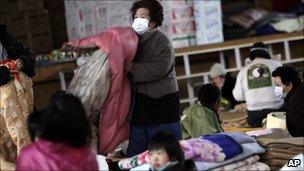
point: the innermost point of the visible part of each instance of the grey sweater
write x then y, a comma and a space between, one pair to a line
154, 65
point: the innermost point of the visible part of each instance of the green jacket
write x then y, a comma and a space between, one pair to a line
199, 120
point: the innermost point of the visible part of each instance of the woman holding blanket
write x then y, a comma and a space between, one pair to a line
156, 103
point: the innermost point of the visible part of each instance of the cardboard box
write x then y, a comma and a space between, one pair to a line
20, 24
40, 41
179, 22
17, 25
208, 19
16, 6
85, 18
3, 18
40, 38
37, 20
57, 19
55, 6
3, 6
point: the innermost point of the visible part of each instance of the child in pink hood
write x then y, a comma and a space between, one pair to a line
61, 135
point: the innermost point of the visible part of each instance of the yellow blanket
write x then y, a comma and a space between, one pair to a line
16, 103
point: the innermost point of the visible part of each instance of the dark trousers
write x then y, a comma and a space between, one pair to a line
141, 134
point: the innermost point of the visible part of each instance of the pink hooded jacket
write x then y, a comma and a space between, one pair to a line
120, 43
47, 155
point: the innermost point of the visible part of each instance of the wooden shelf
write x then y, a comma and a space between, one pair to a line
51, 72
234, 45
245, 42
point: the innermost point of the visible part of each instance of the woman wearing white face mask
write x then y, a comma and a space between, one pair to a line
287, 80
288, 86
155, 90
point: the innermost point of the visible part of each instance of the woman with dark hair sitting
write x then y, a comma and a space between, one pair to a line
287, 80
61, 136
202, 117
289, 87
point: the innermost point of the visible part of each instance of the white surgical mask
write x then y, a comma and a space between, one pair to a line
140, 25
279, 92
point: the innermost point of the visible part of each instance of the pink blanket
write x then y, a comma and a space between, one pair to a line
121, 44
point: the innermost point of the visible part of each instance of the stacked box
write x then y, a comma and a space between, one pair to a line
3, 12
88, 18
38, 42
54, 6
16, 6
41, 41
28, 22
25, 22
57, 21
179, 22
208, 19
33, 30
186, 22
3, 18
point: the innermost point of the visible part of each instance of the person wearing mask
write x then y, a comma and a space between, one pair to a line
286, 80
289, 86
202, 117
155, 90
225, 82
255, 86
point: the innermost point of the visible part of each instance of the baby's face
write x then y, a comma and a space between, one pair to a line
158, 158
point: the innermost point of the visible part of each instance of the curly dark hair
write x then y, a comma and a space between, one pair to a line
154, 7
288, 75
63, 120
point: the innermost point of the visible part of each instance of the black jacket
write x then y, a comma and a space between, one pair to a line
295, 113
15, 50
286, 100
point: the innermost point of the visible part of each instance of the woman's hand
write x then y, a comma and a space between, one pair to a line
89, 48
67, 47
128, 66
19, 64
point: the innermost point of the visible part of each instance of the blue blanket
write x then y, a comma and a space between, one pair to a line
230, 147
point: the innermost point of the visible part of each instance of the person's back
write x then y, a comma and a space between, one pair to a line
258, 91
48, 155
202, 118
255, 85
61, 135
199, 120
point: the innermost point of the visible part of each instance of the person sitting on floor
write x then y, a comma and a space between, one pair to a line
61, 136
255, 86
289, 86
287, 80
202, 118
225, 82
